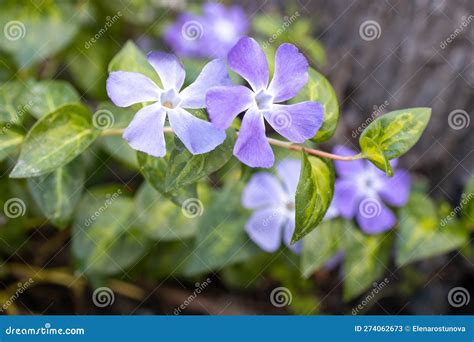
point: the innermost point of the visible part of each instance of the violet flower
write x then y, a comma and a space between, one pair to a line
273, 199
145, 132
362, 189
296, 122
211, 35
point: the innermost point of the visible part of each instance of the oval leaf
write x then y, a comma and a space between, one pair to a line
55, 140
185, 168
365, 261
46, 96
12, 107
58, 192
318, 89
467, 204
221, 239
321, 245
103, 240
372, 152
159, 218
393, 134
154, 170
424, 234
10, 140
131, 58
110, 116
44, 29
313, 195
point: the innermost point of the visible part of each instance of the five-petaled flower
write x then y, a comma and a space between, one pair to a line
211, 35
361, 189
273, 199
145, 132
297, 122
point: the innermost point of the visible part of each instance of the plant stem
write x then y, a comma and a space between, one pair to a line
284, 144
312, 151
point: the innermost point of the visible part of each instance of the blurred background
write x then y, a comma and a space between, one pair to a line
378, 55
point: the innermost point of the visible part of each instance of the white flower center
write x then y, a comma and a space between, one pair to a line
369, 183
170, 99
263, 100
225, 30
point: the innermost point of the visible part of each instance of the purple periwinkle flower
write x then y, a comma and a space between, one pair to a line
362, 189
297, 122
211, 35
145, 132
273, 199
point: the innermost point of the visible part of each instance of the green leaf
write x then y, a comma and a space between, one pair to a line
467, 204
366, 260
33, 32
46, 96
161, 219
103, 239
154, 170
423, 233
313, 195
116, 146
221, 239
185, 168
12, 108
10, 140
57, 193
315, 50
393, 134
131, 58
94, 59
322, 244
55, 140
319, 89
372, 151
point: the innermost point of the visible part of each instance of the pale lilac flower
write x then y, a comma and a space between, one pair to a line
297, 122
208, 36
362, 189
273, 199
145, 132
